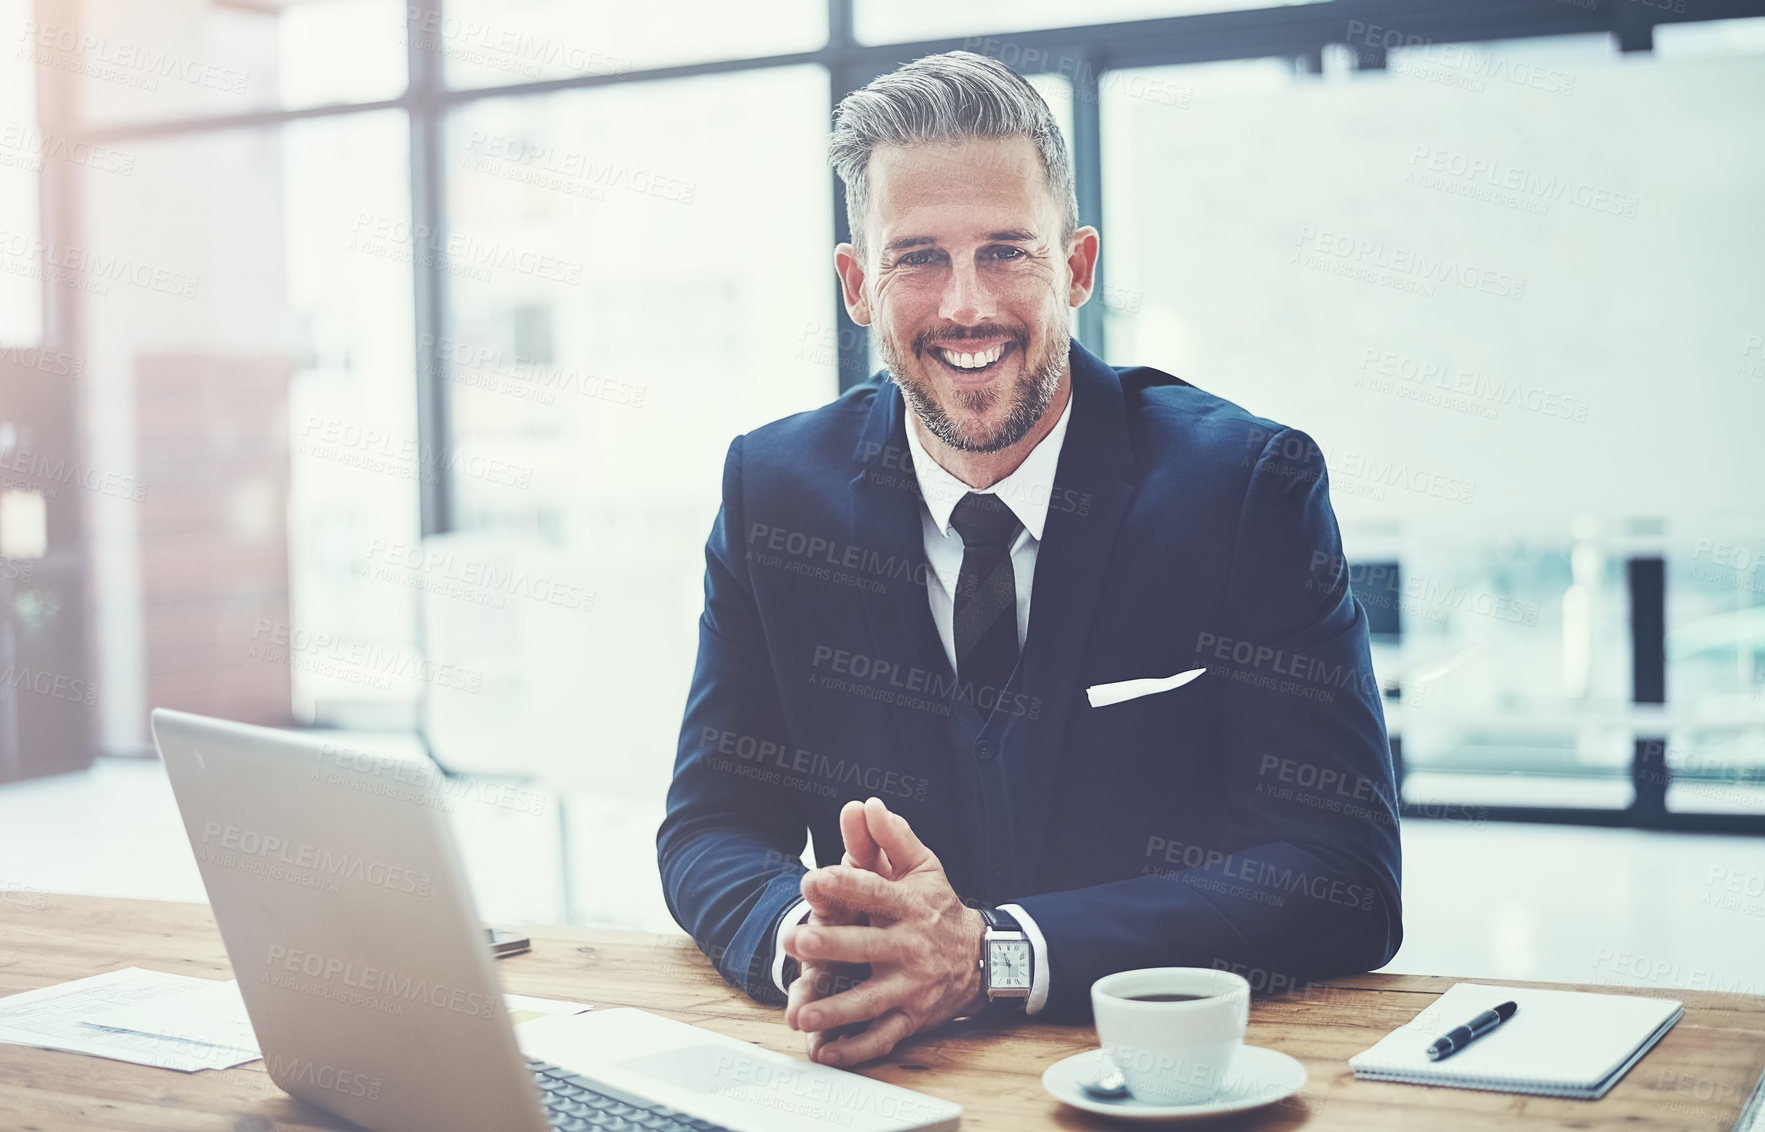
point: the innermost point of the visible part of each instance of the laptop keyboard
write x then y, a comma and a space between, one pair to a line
576, 1104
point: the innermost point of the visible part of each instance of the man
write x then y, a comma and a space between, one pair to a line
909, 591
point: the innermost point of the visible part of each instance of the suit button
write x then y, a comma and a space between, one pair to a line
983, 748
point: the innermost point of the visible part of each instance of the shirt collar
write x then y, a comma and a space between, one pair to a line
1026, 490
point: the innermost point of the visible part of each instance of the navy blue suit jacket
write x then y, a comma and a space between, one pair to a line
1246, 821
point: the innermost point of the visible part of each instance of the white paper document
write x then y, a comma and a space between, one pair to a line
1102, 695
525, 1008
215, 1013
168, 1021
60, 1017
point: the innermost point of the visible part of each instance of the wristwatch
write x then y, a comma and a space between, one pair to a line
1007, 962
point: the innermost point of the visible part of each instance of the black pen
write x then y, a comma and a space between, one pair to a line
1457, 1039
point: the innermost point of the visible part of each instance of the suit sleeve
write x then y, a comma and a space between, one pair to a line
1308, 887
730, 846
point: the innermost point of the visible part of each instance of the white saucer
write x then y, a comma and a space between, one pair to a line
1258, 1076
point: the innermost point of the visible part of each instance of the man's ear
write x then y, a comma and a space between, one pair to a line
1081, 261
850, 268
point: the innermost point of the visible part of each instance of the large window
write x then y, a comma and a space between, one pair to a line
511, 275
895, 21
128, 61
636, 275
489, 43
259, 386
1508, 288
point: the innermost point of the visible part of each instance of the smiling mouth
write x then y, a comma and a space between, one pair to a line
971, 363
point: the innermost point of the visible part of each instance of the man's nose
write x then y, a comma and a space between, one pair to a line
966, 298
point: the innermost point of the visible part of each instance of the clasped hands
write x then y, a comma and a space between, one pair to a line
887, 943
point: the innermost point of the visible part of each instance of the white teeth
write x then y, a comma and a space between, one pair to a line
971, 360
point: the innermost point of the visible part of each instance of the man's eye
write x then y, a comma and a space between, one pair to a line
915, 259
1008, 253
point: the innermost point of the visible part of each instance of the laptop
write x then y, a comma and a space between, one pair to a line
343, 905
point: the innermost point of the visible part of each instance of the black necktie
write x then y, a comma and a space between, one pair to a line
986, 593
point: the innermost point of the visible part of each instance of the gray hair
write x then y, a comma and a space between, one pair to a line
952, 97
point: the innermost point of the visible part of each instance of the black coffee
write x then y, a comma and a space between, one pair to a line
1164, 997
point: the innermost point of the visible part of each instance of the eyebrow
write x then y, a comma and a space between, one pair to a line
1007, 235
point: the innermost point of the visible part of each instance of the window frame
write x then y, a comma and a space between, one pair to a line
1300, 32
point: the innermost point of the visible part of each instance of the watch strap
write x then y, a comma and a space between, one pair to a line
1000, 920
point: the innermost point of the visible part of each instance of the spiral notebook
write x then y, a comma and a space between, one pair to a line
1557, 1044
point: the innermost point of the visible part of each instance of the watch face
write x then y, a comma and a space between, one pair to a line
1009, 964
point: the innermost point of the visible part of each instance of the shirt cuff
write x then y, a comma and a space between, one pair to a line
795, 914
1038, 958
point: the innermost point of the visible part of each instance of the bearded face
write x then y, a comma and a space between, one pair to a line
968, 288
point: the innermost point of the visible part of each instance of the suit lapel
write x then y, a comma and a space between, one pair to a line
885, 519
1090, 498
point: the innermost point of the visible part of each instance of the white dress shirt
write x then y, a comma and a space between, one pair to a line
1026, 491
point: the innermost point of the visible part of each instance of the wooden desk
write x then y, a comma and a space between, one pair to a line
1697, 1078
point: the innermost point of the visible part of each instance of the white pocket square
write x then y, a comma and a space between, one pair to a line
1102, 695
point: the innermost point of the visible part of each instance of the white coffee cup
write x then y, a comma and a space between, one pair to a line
1172, 1052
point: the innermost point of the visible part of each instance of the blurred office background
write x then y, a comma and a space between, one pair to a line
369, 365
